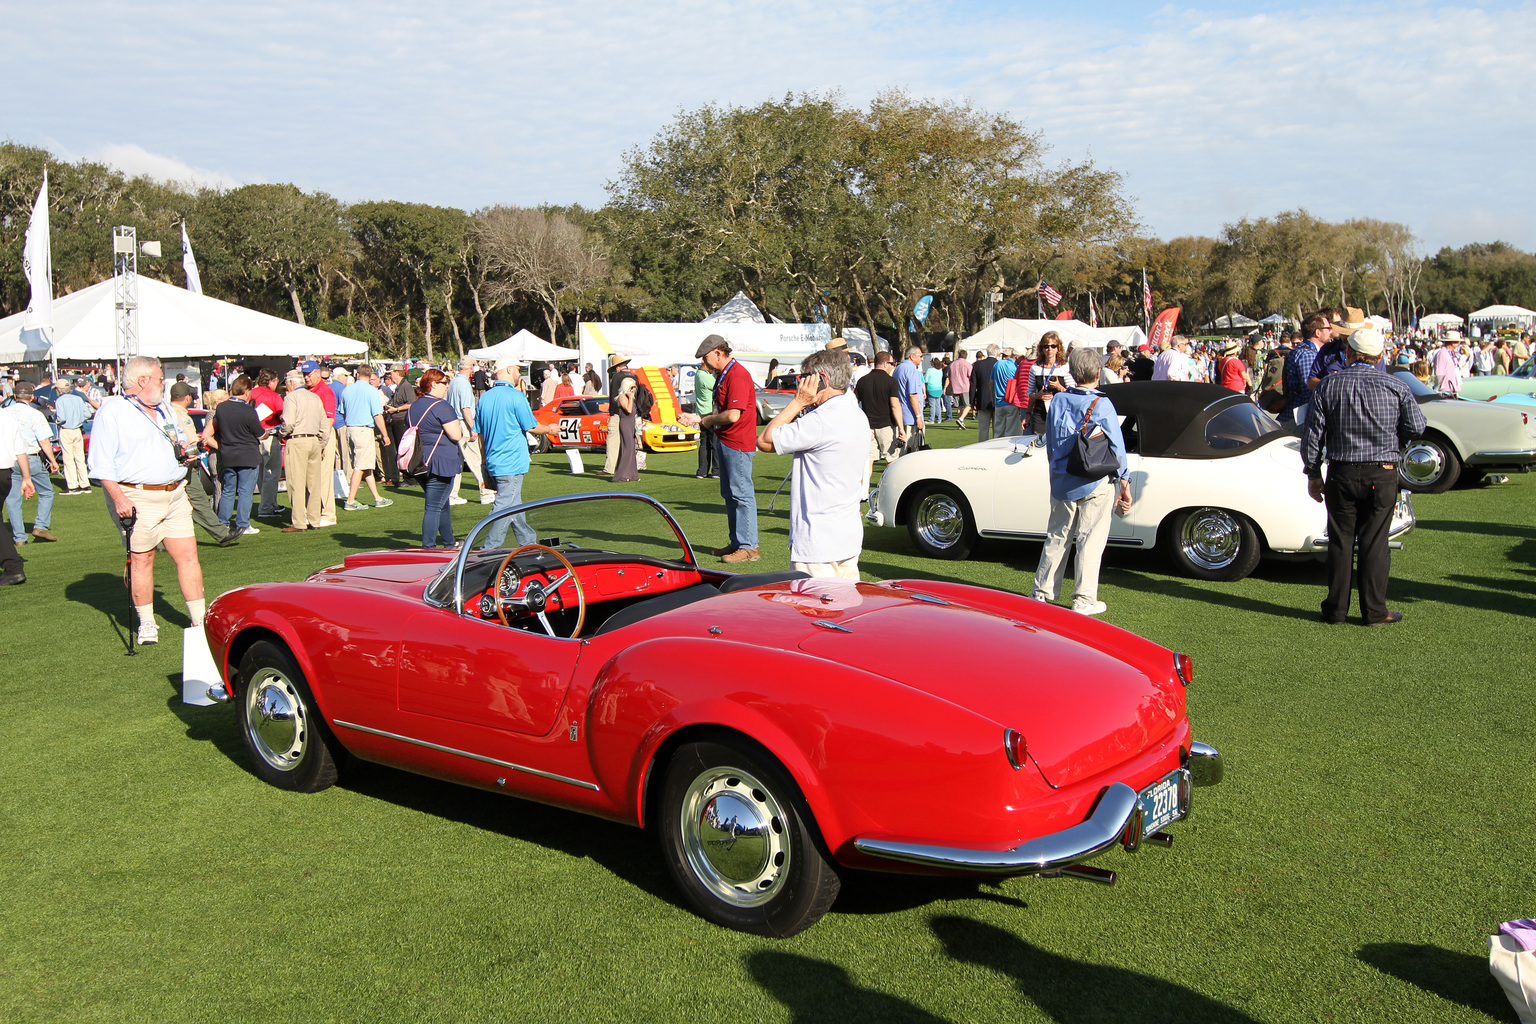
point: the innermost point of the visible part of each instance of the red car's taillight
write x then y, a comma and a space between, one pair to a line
1185, 668
1015, 747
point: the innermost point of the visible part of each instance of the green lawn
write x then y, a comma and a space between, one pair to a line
1375, 824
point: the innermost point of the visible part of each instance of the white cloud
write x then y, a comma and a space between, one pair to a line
136, 160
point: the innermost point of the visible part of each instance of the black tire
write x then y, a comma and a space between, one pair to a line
1430, 465
545, 447
280, 724
940, 522
1213, 544
737, 842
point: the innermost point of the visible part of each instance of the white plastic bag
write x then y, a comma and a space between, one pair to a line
575, 459
342, 489
1515, 970
198, 671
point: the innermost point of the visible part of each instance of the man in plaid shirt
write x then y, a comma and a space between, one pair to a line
1316, 330
1363, 417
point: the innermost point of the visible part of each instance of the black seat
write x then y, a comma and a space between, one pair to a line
758, 579
655, 606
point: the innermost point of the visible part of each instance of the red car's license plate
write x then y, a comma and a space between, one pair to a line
1162, 803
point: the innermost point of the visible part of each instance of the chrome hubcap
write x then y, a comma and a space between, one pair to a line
734, 835
939, 520
1423, 463
275, 719
1211, 538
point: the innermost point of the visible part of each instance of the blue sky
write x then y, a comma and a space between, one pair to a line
1416, 112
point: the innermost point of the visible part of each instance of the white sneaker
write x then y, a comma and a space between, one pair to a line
1097, 608
149, 633
487, 497
325, 522
249, 530
456, 500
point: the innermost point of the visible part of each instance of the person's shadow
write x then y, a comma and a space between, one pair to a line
1073, 992
1459, 978
815, 991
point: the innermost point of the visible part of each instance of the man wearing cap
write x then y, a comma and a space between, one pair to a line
1364, 418
503, 419
36, 436
71, 413
735, 423
12, 461
204, 513
306, 427
140, 456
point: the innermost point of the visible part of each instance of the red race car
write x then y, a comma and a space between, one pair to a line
773, 730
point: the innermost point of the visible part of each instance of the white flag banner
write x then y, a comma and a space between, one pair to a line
37, 265
194, 280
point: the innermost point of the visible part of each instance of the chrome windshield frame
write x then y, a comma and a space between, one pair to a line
479, 528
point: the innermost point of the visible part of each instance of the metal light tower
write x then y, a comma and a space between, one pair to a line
125, 276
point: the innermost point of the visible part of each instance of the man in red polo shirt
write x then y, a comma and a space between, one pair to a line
269, 408
734, 422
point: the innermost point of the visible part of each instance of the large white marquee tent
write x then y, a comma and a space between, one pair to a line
1504, 315
525, 347
172, 323
1024, 335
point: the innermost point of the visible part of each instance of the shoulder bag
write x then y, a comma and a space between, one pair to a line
1092, 456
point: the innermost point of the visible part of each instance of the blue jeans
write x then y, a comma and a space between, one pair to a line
44, 485
740, 495
243, 480
437, 520
935, 407
509, 492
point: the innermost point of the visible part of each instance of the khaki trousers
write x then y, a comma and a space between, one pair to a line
305, 459
470, 449
1085, 524
328, 462
611, 461
72, 442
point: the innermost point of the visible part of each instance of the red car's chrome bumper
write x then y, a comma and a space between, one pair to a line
1116, 820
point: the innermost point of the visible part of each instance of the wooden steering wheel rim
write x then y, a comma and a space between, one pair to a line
581, 599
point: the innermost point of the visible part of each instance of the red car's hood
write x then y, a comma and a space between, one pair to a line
1085, 702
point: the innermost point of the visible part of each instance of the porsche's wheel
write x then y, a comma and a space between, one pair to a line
1430, 465
281, 727
941, 524
1213, 544
545, 446
737, 844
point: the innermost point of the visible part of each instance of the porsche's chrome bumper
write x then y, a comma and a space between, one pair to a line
1115, 821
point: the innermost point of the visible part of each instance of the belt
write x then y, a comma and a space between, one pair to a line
291, 436
156, 487
1383, 465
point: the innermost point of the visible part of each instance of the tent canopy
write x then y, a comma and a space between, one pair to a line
172, 323
1277, 318
739, 310
1234, 321
1503, 313
1381, 323
1440, 320
1024, 335
525, 347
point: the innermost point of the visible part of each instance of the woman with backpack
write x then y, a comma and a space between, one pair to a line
435, 429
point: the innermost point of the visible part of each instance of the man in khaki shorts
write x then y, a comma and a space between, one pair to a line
362, 413
140, 455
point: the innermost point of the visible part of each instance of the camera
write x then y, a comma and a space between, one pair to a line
186, 454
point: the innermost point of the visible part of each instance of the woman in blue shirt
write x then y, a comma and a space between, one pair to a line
438, 433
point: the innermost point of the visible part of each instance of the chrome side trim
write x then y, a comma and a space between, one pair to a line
1118, 542
1205, 765
1103, 829
1517, 456
580, 784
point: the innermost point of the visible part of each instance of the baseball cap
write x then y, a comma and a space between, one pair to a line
309, 366
24, 387
181, 389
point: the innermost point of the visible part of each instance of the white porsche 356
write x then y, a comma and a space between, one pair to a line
1216, 482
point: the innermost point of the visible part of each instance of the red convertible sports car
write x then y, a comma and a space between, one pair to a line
773, 730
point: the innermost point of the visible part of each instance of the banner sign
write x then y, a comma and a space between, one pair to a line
1162, 327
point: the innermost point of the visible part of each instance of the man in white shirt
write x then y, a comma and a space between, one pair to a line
12, 460
35, 435
830, 444
1175, 362
140, 455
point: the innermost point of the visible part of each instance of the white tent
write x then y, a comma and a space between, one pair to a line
172, 323
525, 347
1381, 323
1234, 322
1441, 320
1131, 337
1504, 315
1024, 335
739, 310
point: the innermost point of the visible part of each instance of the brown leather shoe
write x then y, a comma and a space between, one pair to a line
742, 555
42, 534
1389, 620
717, 552
293, 529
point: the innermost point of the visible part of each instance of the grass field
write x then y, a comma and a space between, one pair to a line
1374, 826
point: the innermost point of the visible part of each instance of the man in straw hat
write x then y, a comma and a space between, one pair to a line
1364, 418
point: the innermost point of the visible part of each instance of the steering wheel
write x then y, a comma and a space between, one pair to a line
535, 596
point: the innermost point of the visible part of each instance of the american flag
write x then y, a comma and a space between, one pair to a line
1050, 294
1146, 293
1093, 313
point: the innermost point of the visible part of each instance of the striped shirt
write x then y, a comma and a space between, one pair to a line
1362, 415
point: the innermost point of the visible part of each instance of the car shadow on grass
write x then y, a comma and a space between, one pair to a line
815, 991
210, 723
1073, 992
1455, 977
874, 893
624, 851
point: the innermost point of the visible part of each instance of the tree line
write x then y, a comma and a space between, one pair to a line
816, 209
